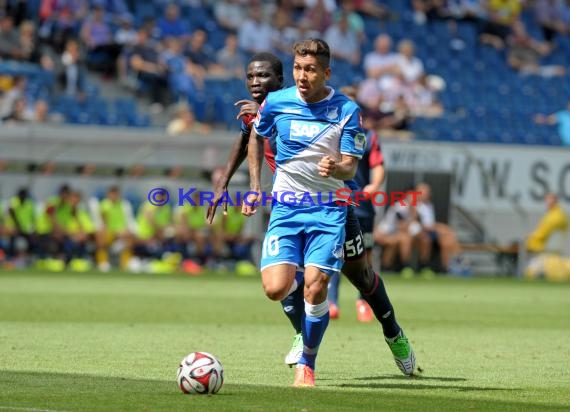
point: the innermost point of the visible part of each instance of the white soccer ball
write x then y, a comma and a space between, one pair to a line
200, 373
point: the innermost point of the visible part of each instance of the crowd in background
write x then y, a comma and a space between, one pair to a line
66, 230
170, 56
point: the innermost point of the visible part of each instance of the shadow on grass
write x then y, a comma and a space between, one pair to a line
58, 392
422, 377
420, 382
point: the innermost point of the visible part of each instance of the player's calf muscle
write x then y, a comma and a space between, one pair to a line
359, 274
316, 283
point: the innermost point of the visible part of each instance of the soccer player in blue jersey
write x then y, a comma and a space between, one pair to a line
264, 75
319, 141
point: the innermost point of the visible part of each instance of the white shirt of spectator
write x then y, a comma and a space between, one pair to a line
389, 223
255, 37
412, 69
426, 213
375, 60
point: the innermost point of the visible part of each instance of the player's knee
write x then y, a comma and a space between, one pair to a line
275, 292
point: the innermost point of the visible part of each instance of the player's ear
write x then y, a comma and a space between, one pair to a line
327, 73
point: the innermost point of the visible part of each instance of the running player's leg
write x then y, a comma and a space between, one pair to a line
371, 286
322, 257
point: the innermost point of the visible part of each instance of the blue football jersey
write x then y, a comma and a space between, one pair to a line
304, 133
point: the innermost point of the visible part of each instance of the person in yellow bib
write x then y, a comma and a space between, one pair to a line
80, 229
117, 227
192, 232
51, 223
152, 227
19, 224
232, 233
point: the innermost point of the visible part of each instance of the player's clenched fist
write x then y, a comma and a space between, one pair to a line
326, 166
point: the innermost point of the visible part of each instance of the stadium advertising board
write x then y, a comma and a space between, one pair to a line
490, 177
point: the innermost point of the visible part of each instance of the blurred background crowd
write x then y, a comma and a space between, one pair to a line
468, 71
460, 70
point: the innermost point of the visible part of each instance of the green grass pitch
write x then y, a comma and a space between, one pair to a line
94, 342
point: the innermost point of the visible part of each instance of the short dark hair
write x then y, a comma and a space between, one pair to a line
64, 189
275, 62
314, 47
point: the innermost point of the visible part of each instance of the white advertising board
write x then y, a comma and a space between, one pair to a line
490, 177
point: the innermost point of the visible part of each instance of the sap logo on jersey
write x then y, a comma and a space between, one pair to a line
301, 129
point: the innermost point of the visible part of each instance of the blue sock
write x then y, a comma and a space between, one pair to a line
294, 303
314, 326
333, 288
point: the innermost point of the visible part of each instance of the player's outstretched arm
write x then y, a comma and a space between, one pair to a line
254, 158
248, 109
237, 155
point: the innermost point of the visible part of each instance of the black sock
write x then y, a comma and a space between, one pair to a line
378, 300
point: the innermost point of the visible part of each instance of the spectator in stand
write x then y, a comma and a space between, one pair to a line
8, 39
427, 9
411, 68
343, 41
185, 123
18, 9
525, 53
382, 61
41, 114
230, 14
355, 20
306, 30
96, 34
202, 55
17, 91
19, 112
230, 59
172, 25
549, 14
320, 13
372, 8
562, 118
126, 35
184, 76
61, 20
255, 35
29, 48
422, 99
145, 63
284, 32
72, 73
465, 10
501, 15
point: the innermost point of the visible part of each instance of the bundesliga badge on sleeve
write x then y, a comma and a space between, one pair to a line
359, 141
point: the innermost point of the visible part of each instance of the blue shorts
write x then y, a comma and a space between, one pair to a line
305, 236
